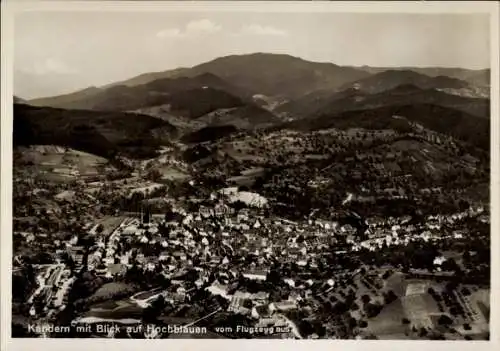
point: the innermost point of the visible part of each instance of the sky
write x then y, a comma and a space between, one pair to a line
60, 52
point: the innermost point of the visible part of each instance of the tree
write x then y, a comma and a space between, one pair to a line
259, 183
365, 299
386, 274
354, 306
434, 335
339, 308
363, 324
463, 205
450, 265
352, 323
465, 291
99, 229
372, 310
451, 286
154, 175
153, 311
390, 297
305, 328
422, 332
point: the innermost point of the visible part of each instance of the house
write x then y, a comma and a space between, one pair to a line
302, 263
255, 274
438, 261
221, 210
294, 296
260, 297
240, 305
179, 255
115, 269
266, 322
150, 266
199, 282
261, 311
282, 306
163, 256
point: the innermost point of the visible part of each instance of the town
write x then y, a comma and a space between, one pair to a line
232, 268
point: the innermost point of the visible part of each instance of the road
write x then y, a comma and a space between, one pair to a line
204, 317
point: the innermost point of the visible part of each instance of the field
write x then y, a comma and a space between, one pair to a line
109, 225
121, 309
111, 289
59, 164
389, 322
145, 187
247, 176
98, 132
172, 173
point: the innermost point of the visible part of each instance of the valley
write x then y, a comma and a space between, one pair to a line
319, 200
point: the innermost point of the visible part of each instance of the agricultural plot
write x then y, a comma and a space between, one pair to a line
114, 310
107, 225
60, 164
389, 322
172, 173
112, 289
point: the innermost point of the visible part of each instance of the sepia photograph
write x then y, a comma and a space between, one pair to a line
219, 173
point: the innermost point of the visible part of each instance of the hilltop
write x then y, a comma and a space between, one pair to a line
444, 120
101, 133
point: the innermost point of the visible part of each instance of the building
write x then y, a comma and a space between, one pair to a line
240, 305
282, 306
255, 274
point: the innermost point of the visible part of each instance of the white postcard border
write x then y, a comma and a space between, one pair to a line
9, 8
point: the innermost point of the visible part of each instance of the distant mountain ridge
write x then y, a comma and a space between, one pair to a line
244, 92
174, 98
478, 77
390, 79
210, 133
278, 74
407, 94
18, 100
353, 99
123, 97
67, 99
146, 78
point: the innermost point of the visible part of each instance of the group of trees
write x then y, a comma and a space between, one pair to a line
23, 283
